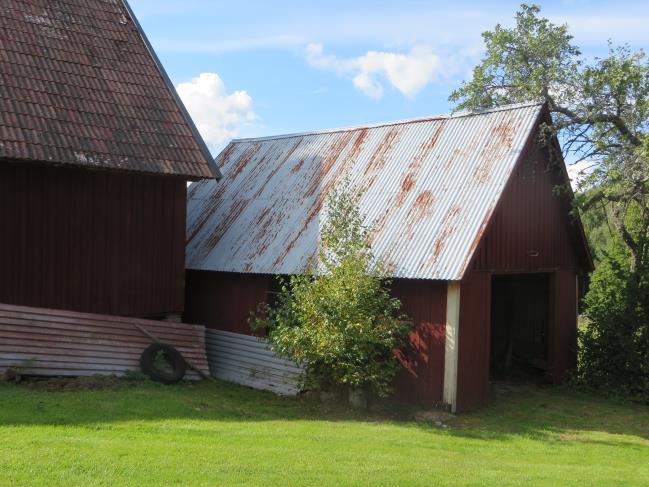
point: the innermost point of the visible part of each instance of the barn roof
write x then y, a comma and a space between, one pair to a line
81, 85
429, 185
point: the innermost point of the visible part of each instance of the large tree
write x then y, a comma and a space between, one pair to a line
600, 111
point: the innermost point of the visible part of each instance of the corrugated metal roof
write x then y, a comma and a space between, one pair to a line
429, 185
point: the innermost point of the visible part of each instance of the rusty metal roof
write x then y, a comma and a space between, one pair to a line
428, 185
81, 85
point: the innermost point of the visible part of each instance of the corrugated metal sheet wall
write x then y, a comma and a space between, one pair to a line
91, 240
68, 343
246, 360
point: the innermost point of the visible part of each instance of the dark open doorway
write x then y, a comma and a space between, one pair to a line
520, 307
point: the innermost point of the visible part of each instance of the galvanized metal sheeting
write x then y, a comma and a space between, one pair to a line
428, 186
52, 342
246, 360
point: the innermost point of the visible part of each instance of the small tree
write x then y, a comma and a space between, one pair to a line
338, 319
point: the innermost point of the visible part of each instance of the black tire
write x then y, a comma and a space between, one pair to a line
174, 364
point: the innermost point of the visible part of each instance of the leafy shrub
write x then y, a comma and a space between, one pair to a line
338, 320
614, 345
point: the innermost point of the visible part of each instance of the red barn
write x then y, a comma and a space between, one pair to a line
95, 152
484, 253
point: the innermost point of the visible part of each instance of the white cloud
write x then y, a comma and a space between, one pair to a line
408, 73
218, 115
578, 171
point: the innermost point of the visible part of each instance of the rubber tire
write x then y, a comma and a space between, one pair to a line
173, 356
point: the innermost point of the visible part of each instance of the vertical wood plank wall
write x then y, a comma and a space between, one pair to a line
530, 231
224, 300
422, 379
473, 354
89, 240
563, 329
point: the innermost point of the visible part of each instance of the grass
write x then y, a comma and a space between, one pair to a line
136, 433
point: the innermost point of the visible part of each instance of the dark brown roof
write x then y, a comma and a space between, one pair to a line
80, 84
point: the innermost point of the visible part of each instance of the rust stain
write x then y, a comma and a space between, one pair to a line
243, 161
212, 203
269, 168
504, 133
297, 166
357, 146
219, 230
262, 216
409, 179
224, 156
311, 215
415, 164
277, 165
378, 159
329, 159
447, 230
501, 138
424, 202
421, 208
406, 185
208, 207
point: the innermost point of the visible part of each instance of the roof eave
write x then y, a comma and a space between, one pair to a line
181, 106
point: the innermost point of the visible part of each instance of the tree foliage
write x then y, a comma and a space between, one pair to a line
614, 346
338, 320
600, 111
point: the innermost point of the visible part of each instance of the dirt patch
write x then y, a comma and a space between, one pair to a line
437, 417
90, 383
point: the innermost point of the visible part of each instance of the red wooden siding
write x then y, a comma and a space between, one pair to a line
531, 228
563, 326
91, 241
422, 380
473, 340
72, 343
530, 231
224, 300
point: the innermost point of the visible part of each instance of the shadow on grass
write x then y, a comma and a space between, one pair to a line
544, 413
560, 414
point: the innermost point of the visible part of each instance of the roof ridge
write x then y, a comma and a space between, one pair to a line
445, 116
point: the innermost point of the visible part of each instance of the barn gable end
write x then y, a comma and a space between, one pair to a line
531, 232
95, 153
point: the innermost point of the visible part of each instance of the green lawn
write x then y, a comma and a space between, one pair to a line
211, 434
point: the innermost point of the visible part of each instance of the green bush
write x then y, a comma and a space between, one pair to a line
614, 345
338, 320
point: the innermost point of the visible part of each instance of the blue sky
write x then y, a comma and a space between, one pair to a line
253, 68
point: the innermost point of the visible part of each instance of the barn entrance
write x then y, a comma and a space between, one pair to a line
520, 307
